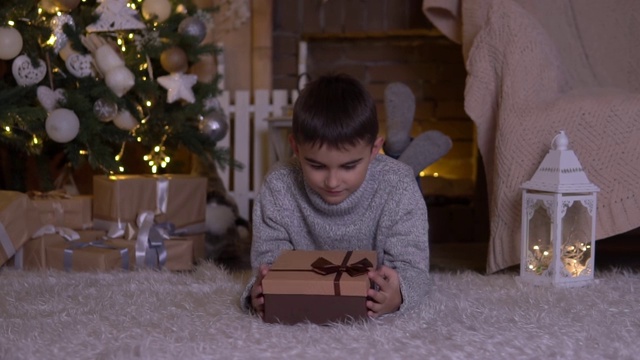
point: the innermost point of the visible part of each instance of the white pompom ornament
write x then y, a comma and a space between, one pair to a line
125, 121
160, 9
62, 125
120, 80
10, 43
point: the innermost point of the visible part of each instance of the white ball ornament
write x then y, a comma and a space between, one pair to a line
62, 125
10, 43
125, 121
160, 9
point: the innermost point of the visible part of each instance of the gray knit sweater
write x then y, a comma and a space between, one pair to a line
387, 214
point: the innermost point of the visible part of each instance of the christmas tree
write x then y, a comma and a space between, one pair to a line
86, 80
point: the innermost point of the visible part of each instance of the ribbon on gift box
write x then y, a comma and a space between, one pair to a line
325, 267
5, 242
68, 252
150, 249
67, 233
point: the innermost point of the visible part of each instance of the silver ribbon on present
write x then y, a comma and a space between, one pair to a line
68, 253
150, 249
6, 243
162, 195
65, 232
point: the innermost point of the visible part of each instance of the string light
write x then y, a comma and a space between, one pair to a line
157, 157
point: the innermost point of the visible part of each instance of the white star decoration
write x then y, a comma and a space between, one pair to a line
178, 86
115, 15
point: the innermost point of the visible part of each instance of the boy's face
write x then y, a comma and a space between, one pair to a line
335, 173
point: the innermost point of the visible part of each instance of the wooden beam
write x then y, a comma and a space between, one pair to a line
261, 44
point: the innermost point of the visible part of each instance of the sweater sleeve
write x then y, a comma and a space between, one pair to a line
269, 235
405, 235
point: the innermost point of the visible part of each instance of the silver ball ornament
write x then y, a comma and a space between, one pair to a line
105, 110
194, 27
215, 125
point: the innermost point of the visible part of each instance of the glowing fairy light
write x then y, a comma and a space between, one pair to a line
157, 158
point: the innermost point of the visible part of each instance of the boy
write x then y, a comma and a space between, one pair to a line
339, 193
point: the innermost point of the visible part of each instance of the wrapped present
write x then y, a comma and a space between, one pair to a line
199, 248
19, 219
177, 256
317, 286
60, 209
32, 256
118, 199
84, 255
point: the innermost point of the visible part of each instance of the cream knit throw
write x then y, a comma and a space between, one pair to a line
539, 66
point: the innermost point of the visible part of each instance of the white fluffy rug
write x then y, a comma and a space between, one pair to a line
161, 315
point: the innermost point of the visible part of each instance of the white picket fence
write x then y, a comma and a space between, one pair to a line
248, 139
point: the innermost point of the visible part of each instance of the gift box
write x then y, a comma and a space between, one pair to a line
90, 253
179, 254
19, 219
60, 209
34, 255
179, 199
199, 248
317, 286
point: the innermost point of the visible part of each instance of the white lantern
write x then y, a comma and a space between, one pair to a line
558, 221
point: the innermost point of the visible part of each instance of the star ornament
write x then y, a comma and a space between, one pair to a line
179, 86
115, 15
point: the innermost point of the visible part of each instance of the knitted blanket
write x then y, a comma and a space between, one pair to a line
536, 67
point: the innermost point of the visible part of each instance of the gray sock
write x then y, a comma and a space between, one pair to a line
400, 106
426, 149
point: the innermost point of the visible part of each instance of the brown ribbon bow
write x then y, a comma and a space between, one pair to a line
323, 266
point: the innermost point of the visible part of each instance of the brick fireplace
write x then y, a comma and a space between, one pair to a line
384, 41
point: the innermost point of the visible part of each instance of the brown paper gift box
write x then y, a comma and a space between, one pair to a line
73, 212
123, 197
90, 258
19, 219
294, 293
34, 251
179, 253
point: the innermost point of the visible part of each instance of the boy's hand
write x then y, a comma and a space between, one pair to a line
257, 297
388, 298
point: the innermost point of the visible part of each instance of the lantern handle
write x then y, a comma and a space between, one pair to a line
560, 141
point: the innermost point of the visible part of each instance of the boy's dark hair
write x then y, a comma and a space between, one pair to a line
335, 110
